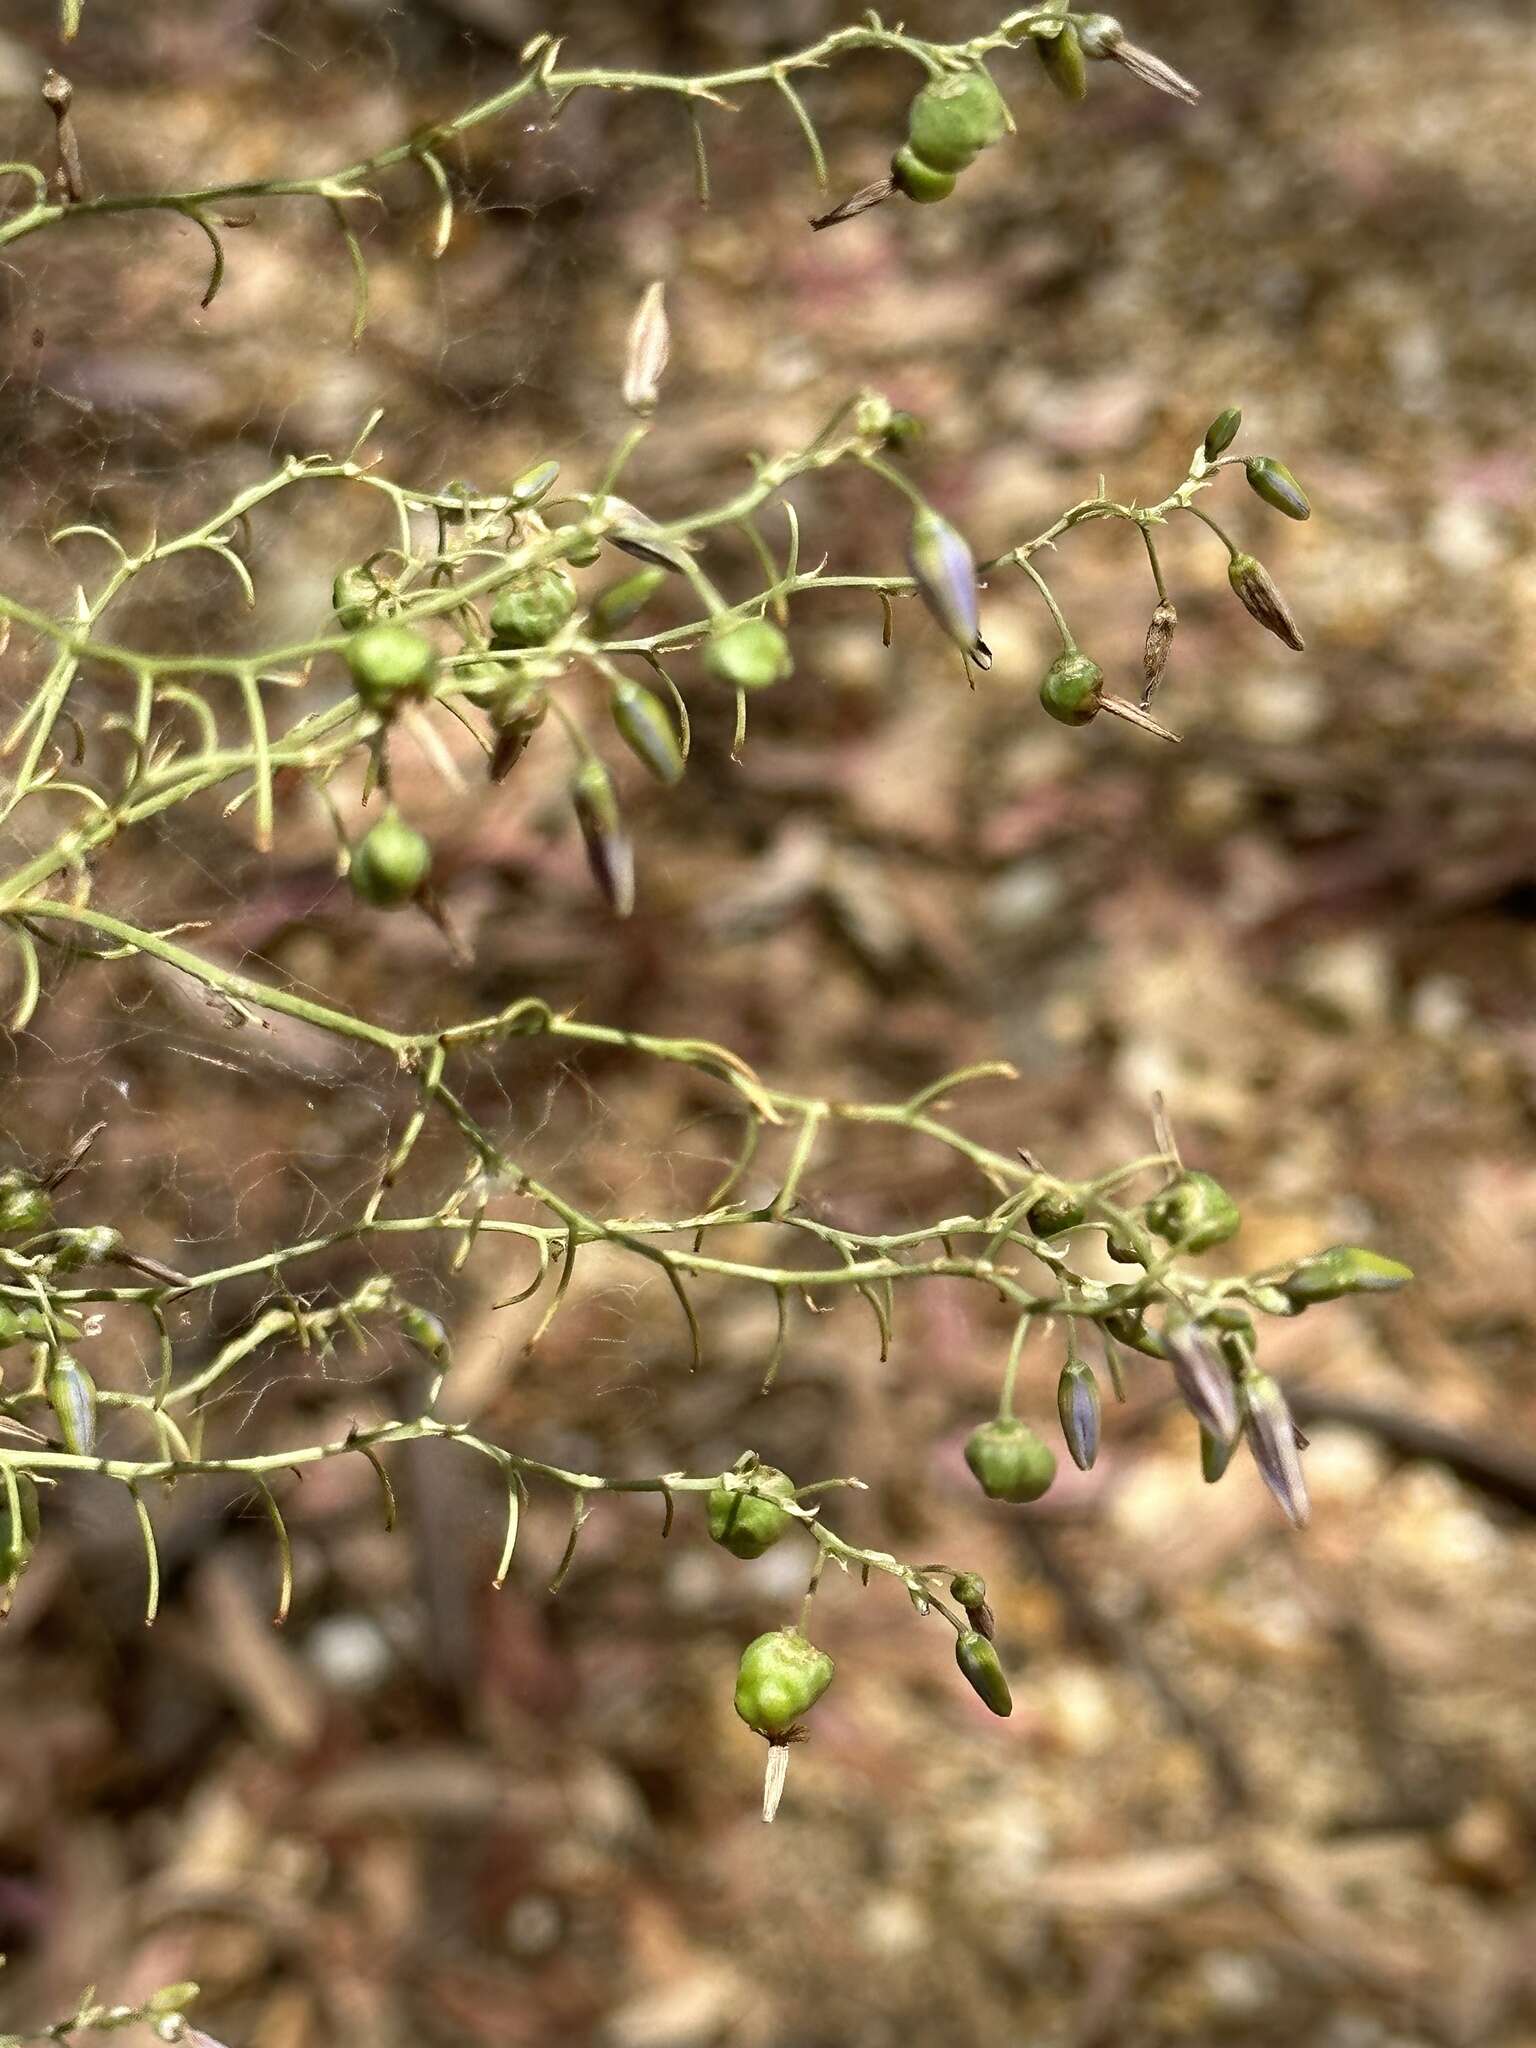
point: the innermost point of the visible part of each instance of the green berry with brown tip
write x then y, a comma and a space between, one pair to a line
917, 180
1073, 688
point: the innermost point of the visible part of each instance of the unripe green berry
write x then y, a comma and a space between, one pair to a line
1073, 689
955, 117
1195, 1213
390, 661
356, 596
390, 863
90, 1247
745, 1525
24, 1206
531, 613
917, 180
983, 1671
749, 654
427, 1331
1054, 1212
781, 1676
1274, 483
1009, 1461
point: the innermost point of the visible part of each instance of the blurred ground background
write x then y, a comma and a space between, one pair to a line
1254, 1786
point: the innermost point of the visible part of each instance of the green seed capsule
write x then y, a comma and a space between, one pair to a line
749, 655
355, 596
1195, 1213
1344, 1269
13, 1329
954, 118
24, 1206
613, 608
388, 662
72, 1396
532, 485
646, 730
1073, 689
745, 1525
1222, 432
1009, 1461
781, 1676
983, 1671
1121, 1249
919, 181
530, 614
1062, 58
1276, 486
1054, 1212
390, 863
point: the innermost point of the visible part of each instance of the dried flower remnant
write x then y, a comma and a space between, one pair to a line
1154, 660
1261, 599
650, 345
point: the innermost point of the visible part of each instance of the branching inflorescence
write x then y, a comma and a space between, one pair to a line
477, 611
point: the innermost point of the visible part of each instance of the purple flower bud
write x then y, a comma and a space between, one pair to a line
609, 853
1077, 1403
1272, 1440
944, 570
1203, 1380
